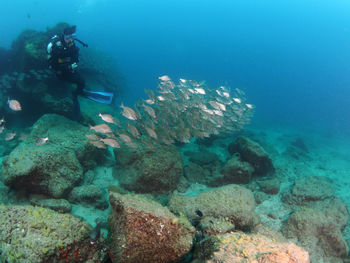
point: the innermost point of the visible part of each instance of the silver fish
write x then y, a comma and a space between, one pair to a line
151, 133
128, 113
110, 142
14, 105
107, 118
102, 128
9, 136
98, 144
41, 141
150, 111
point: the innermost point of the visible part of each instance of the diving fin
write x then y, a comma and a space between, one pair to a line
99, 96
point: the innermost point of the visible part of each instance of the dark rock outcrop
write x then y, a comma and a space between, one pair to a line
89, 195
254, 154
146, 171
234, 171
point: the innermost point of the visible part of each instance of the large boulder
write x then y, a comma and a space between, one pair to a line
55, 167
251, 152
203, 157
318, 233
143, 231
195, 173
306, 190
231, 201
318, 221
88, 195
34, 234
241, 247
234, 171
149, 171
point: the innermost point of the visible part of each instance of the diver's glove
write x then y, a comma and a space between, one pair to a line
73, 66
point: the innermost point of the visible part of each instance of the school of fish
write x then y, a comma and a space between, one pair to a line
174, 113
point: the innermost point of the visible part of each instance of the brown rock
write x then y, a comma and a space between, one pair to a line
143, 231
35, 234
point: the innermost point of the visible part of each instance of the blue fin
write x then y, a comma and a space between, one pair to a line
99, 96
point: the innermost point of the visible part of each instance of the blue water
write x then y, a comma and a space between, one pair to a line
291, 57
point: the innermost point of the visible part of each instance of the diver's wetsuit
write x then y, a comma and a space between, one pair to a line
61, 58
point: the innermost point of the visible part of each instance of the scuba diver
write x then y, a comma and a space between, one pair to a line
63, 58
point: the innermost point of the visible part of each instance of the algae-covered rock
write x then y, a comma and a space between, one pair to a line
240, 247
319, 219
234, 171
317, 232
59, 205
203, 157
307, 190
270, 186
210, 225
33, 234
254, 154
232, 201
55, 167
30, 50
146, 171
89, 195
143, 231
195, 173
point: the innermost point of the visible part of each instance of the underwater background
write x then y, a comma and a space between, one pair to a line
291, 57
288, 163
